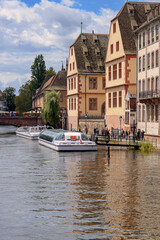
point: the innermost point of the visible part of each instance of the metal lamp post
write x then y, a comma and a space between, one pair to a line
120, 119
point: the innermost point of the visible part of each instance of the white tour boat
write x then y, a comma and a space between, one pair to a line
61, 140
30, 132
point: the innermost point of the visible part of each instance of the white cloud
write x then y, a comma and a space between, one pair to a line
47, 28
68, 3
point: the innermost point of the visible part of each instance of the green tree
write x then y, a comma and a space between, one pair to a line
50, 71
9, 96
50, 112
24, 100
38, 70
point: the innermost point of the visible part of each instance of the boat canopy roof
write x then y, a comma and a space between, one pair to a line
60, 134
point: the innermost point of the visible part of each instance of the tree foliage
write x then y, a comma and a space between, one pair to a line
50, 71
38, 70
24, 100
9, 96
50, 112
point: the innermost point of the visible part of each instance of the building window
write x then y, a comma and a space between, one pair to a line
126, 118
114, 71
93, 104
71, 83
70, 67
139, 41
61, 97
74, 83
85, 53
115, 99
143, 85
152, 113
156, 113
109, 73
143, 113
143, 63
152, 60
103, 83
111, 48
148, 84
152, 33
148, 113
140, 86
152, 84
157, 32
74, 103
157, 85
114, 27
148, 35
117, 46
93, 83
120, 70
139, 113
157, 58
73, 65
109, 100
148, 60
69, 104
98, 53
120, 98
139, 64
143, 39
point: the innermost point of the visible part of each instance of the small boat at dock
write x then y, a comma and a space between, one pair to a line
61, 140
30, 132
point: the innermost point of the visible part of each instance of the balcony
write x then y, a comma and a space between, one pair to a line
91, 116
149, 96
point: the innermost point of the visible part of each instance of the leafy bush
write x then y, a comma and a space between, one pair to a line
146, 147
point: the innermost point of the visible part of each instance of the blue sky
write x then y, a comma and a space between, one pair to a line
88, 5
48, 27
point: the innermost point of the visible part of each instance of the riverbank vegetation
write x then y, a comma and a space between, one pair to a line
146, 147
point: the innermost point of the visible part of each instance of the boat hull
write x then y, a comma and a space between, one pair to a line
27, 135
67, 147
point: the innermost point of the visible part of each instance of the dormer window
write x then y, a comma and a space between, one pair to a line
131, 12
86, 53
101, 68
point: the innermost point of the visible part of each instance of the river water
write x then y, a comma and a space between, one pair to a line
46, 195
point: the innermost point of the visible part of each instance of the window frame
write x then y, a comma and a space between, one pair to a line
92, 83
93, 104
114, 99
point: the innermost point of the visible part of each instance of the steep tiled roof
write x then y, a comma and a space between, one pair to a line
60, 81
131, 16
47, 82
90, 52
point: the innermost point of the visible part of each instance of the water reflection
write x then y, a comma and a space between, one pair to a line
50, 195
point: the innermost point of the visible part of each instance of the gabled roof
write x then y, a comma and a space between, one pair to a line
90, 51
60, 81
47, 82
131, 16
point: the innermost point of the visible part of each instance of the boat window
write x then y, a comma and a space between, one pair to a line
73, 138
84, 137
60, 137
48, 135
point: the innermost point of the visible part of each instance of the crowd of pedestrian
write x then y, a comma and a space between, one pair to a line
116, 133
